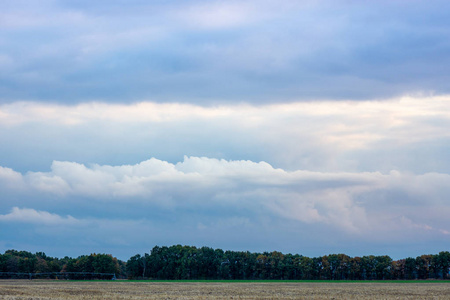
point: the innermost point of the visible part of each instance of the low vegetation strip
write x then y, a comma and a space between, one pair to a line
96, 290
430, 281
58, 275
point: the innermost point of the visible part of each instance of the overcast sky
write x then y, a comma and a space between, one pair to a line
310, 127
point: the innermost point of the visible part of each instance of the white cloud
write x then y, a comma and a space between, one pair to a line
48, 183
322, 136
18, 113
27, 215
337, 119
213, 16
354, 202
10, 178
347, 125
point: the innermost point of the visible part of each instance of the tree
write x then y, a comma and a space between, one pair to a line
423, 263
355, 268
307, 268
443, 259
368, 266
383, 267
410, 268
105, 263
262, 266
276, 263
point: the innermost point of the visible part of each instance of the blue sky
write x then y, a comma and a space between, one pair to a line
310, 127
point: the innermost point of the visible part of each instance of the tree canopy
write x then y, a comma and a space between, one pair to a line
189, 262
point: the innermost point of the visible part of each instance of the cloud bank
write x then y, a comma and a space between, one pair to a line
361, 206
222, 52
317, 136
346, 175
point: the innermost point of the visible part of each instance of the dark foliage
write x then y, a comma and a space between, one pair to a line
187, 262
23, 262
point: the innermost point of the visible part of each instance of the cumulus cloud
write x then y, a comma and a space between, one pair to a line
10, 178
226, 204
355, 202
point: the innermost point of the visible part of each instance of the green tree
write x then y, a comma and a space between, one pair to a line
423, 263
410, 268
443, 260
355, 268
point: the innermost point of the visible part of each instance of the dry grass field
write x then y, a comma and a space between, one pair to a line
53, 289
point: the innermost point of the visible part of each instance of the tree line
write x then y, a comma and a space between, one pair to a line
13, 261
189, 262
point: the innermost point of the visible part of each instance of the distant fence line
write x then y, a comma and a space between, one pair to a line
58, 275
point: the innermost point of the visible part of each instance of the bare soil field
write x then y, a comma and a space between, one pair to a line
53, 289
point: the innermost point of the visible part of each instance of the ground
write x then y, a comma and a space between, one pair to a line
54, 289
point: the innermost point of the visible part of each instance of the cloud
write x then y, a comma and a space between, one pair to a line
319, 136
26, 215
353, 202
214, 16
220, 52
321, 120
10, 178
218, 202
398, 114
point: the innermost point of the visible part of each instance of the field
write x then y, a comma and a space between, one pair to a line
53, 289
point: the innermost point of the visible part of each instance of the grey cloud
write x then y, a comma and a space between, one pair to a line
223, 52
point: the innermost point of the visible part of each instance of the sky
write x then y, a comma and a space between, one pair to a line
309, 127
